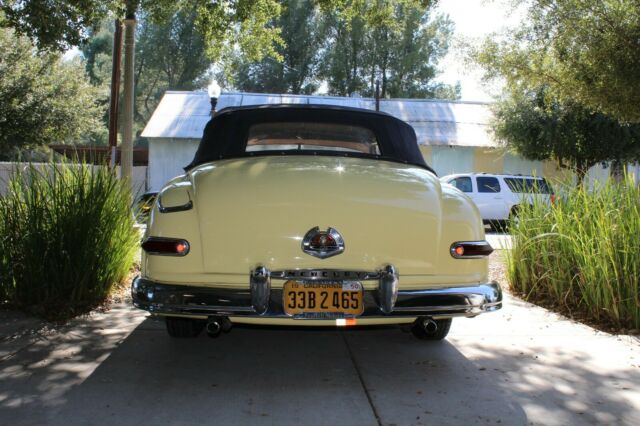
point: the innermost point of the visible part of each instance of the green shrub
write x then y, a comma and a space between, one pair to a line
582, 254
67, 237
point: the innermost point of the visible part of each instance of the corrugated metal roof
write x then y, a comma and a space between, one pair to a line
180, 115
184, 115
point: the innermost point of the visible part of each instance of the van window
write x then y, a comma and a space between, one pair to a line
528, 185
488, 184
463, 183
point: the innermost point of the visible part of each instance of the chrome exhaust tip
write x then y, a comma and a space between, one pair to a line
213, 328
430, 326
217, 325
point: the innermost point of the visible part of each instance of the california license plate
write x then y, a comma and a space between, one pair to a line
308, 297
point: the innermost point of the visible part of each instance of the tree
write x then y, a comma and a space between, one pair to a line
58, 25
541, 128
344, 60
396, 42
43, 99
583, 50
295, 69
181, 63
223, 25
53, 24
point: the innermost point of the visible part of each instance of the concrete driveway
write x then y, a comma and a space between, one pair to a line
520, 366
499, 240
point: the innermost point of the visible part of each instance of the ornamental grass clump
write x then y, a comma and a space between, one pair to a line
582, 254
67, 237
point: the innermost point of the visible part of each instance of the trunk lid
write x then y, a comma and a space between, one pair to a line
255, 211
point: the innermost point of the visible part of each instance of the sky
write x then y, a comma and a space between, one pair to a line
473, 19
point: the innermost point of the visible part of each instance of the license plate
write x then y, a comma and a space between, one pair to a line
304, 297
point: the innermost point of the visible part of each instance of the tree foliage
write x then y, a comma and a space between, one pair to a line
582, 50
170, 55
53, 24
540, 128
398, 43
295, 69
62, 24
43, 99
351, 47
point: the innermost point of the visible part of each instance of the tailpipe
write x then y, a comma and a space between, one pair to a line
217, 325
429, 325
213, 328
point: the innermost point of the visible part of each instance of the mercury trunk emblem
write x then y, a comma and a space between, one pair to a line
322, 244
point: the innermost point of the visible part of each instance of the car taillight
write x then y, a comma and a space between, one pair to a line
470, 249
166, 246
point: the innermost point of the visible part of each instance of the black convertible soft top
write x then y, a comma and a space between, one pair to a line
226, 134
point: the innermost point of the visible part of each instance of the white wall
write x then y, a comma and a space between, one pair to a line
167, 157
514, 165
447, 160
634, 172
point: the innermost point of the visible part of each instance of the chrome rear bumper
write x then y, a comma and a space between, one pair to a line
260, 300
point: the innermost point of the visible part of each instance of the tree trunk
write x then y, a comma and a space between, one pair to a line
617, 171
128, 98
581, 173
115, 92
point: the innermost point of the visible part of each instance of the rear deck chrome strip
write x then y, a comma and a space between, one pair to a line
324, 274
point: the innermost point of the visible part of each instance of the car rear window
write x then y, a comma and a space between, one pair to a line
303, 136
528, 185
488, 184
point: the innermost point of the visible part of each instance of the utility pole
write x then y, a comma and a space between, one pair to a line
377, 95
115, 93
126, 156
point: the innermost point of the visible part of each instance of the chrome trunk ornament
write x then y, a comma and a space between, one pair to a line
322, 244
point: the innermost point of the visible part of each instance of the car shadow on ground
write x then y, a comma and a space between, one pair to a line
291, 376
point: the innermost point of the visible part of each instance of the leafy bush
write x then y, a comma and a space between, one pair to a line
67, 237
582, 254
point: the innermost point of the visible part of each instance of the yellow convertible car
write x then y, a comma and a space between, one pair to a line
312, 215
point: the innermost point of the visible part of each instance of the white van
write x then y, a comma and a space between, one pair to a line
499, 197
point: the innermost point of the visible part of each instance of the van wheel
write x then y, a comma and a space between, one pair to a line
514, 217
184, 327
423, 328
493, 226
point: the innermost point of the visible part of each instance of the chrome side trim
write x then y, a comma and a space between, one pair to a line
388, 289
260, 287
324, 274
